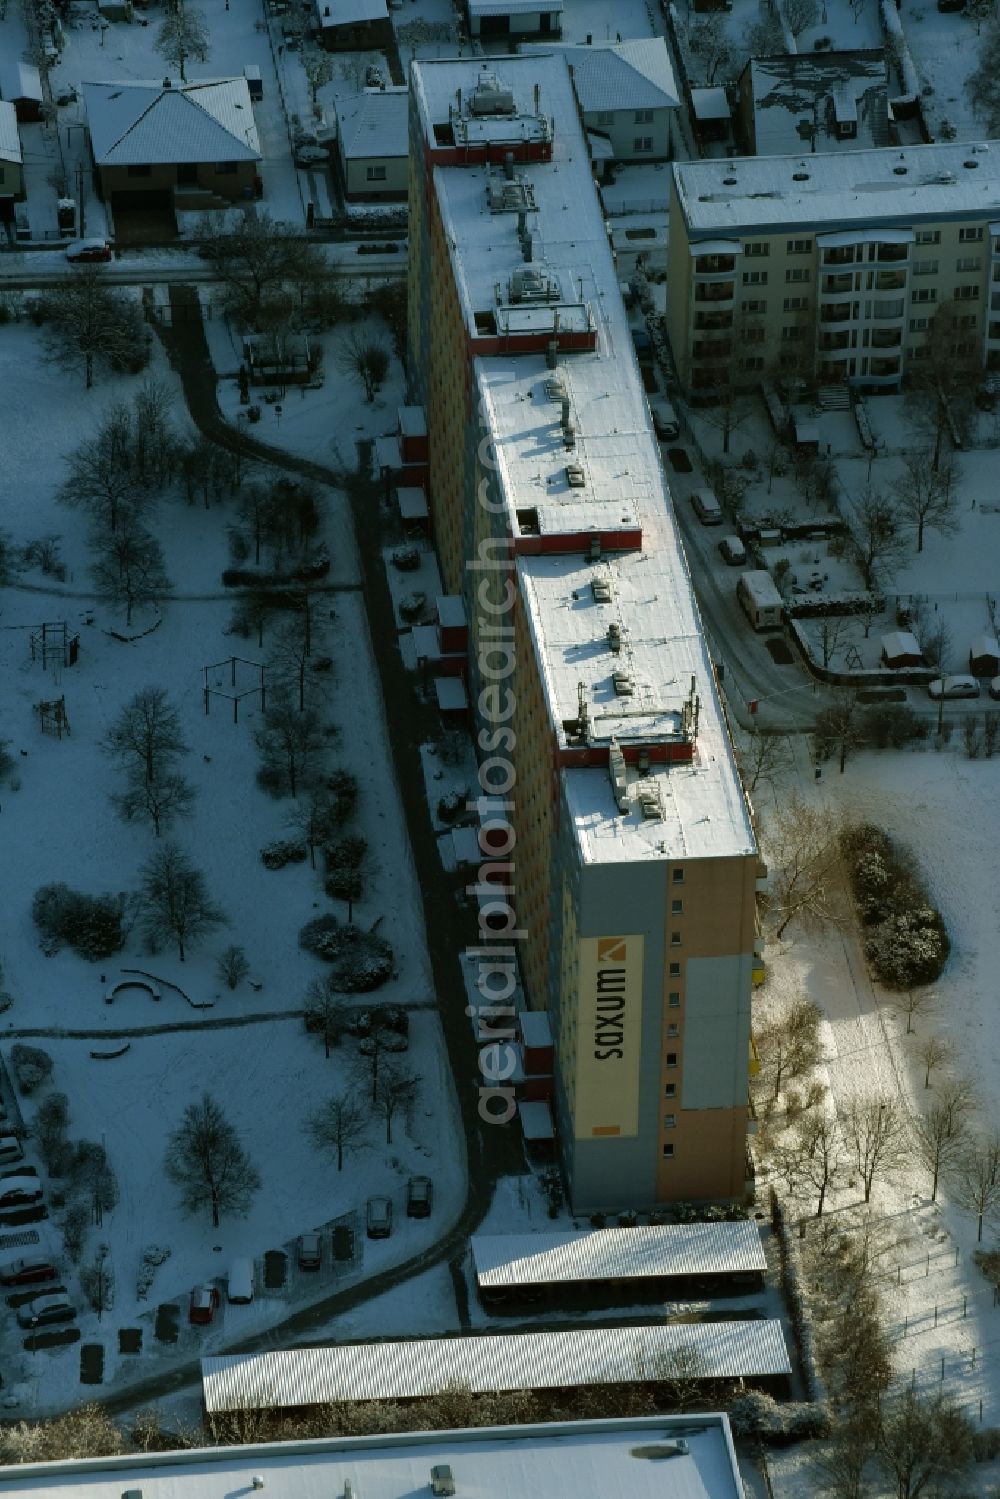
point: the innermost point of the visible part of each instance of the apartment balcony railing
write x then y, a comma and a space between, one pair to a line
830, 341
838, 313
707, 351
831, 285
842, 255
890, 280
715, 291
713, 322
887, 338
714, 265
893, 308
884, 369
889, 253
993, 332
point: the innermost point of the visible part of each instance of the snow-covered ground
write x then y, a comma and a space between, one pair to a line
267, 1073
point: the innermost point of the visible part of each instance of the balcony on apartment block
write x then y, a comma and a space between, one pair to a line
887, 338
890, 280
837, 285
890, 310
836, 312
885, 369
890, 254
713, 322
840, 255
708, 350
829, 342
715, 265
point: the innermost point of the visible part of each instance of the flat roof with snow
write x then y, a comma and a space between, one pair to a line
514, 7
504, 1260
896, 185
558, 1460
351, 12
503, 1361
611, 481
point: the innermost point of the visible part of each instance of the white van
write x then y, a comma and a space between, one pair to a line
761, 601
707, 508
240, 1286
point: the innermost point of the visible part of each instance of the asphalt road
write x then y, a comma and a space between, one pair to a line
37, 270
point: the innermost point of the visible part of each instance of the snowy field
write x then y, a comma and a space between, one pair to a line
247, 1048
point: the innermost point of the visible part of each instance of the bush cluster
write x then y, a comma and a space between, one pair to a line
92, 925
343, 860
287, 851
32, 1066
361, 961
252, 577
905, 939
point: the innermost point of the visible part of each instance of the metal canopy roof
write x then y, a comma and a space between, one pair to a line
618, 1253
511, 1361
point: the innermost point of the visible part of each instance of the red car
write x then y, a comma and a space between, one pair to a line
88, 250
27, 1270
204, 1300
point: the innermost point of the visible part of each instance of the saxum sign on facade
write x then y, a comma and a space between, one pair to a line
608, 1037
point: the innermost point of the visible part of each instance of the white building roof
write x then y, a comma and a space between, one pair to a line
373, 124
557, 1460
896, 185
618, 1254
351, 12
20, 80
798, 98
710, 104
501, 1361
513, 7
141, 124
622, 75
10, 141
624, 486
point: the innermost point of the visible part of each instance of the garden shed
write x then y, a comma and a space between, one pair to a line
984, 656
901, 648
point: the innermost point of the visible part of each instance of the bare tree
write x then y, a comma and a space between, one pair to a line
680, 1374
367, 358
128, 569
945, 379
89, 323
337, 1124
291, 744
803, 855
207, 1163
800, 15
160, 801
876, 1133
709, 44
184, 37
841, 727
174, 900
940, 1135
914, 1002
975, 1178
790, 1045
318, 68
395, 1090
147, 737
927, 497
765, 36
830, 631
878, 543
325, 1012
256, 260
931, 1053
815, 1156
922, 1439
763, 758
231, 965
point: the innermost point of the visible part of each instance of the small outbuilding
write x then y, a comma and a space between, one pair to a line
11, 160
711, 114
21, 85
984, 656
900, 648
373, 145
355, 25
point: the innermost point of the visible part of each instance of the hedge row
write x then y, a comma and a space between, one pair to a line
905, 939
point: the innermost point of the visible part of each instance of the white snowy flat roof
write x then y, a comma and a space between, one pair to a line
710, 104
618, 1254
350, 12
10, 141
623, 488
502, 1361
558, 1460
894, 185
412, 502
535, 1027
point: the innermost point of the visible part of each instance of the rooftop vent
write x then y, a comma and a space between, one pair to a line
533, 284
442, 1482
601, 589
569, 436
595, 549
615, 638
489, 97
729, 181
131, 1493
619, 776
510, 195
575, 477
900, 171
623, 683
552, 353
555, 390
971, 165
650, 806
800, 176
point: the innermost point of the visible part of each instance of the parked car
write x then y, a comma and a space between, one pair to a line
10, 1148
310, 1251
86, 250
17, 1191
204, 1300
953, 687
665, 422
379, 1217
733, 551
994, 688
311, 156
27, 1270
707, 508
373, 77
679, 460
43, 1310
419, 1197
643, 345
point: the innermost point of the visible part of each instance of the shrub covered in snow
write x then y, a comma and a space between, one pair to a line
32, 1066
362, 961
755, 1414
93, 925
284, 851
906, 942
153, 1256
908, 948
451, 804
343, 859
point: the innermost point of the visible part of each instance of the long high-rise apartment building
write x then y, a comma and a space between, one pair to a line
600, 729
834, 265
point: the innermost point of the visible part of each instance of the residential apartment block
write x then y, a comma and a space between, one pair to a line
632, 861
833, 265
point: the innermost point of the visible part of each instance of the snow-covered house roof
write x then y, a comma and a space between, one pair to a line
512, 7
374, 123
20, 80
675, 1249
622, 75
900, 645
710, 104
139, 124
351, 12
10, 141
798, 100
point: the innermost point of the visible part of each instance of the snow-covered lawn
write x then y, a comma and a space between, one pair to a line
57, 824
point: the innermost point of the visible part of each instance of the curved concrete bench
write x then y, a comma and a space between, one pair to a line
109, 1056
150, 989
